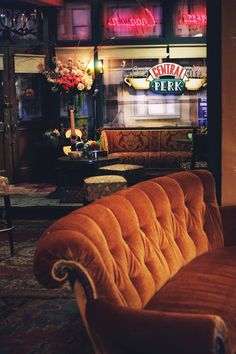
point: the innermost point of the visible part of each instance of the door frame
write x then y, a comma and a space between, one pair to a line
15, 135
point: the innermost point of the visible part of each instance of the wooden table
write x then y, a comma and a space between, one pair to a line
72, 172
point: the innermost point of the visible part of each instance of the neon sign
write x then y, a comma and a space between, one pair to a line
167, 78
145, 19
168, 69
193, 19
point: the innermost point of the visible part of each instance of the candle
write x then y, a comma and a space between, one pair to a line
72, 122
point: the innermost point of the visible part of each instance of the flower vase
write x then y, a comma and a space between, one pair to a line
73, 138
80, 118
55, 141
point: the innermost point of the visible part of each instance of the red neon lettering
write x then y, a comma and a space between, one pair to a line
151, 18
156, 71
171, 71
181, 71
176, 72
132, 21
163, 69
168, 69
197, 19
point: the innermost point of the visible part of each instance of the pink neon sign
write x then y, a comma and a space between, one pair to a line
194, 19
146, 19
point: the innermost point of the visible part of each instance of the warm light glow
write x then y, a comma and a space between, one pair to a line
99, 66
143, 20
90, 67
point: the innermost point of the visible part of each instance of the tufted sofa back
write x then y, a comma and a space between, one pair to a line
152, 148
130, 243
144, 140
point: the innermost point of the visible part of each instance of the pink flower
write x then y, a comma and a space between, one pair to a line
70, 76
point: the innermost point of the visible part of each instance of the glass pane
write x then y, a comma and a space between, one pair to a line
81, 112
140, 103
190, 18
20, 24
202, 108
1, 98
80, 109
74, 22
132, 19
127, 103
28, 96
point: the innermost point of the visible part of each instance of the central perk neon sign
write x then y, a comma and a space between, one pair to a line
167, 78
145, 20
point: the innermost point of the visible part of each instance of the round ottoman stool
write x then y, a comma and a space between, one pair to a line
99, 186
132, 173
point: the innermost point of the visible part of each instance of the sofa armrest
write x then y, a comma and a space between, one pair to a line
104, 141
228, 215
129, 331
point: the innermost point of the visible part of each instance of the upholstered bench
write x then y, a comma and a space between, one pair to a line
100, 186
153, 267
132, 173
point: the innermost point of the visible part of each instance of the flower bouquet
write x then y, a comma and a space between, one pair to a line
71, 77
75, 80
89, 147
52, 135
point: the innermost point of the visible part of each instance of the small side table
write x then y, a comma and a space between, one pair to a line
72, 172
7, 218
132, 173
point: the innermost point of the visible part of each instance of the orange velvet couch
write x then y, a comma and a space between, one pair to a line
153, 267
154, 148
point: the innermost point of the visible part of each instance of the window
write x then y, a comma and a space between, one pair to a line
20, 24
28, 96
128, 103
148, 105
132, 19
190, 18
74, 22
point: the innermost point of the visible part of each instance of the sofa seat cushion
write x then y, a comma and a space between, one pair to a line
174, 158
136, 158
207, 285
153, 158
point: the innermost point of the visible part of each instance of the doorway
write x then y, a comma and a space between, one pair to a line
20, 111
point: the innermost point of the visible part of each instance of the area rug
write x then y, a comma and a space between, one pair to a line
73, 195
16, 273
35, 320
31, 189
42, 326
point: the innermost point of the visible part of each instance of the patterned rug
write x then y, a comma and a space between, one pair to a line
42, 326
44, 195
34, 320
33, 189
16, 273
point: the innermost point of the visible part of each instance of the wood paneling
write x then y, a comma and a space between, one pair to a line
228, 102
